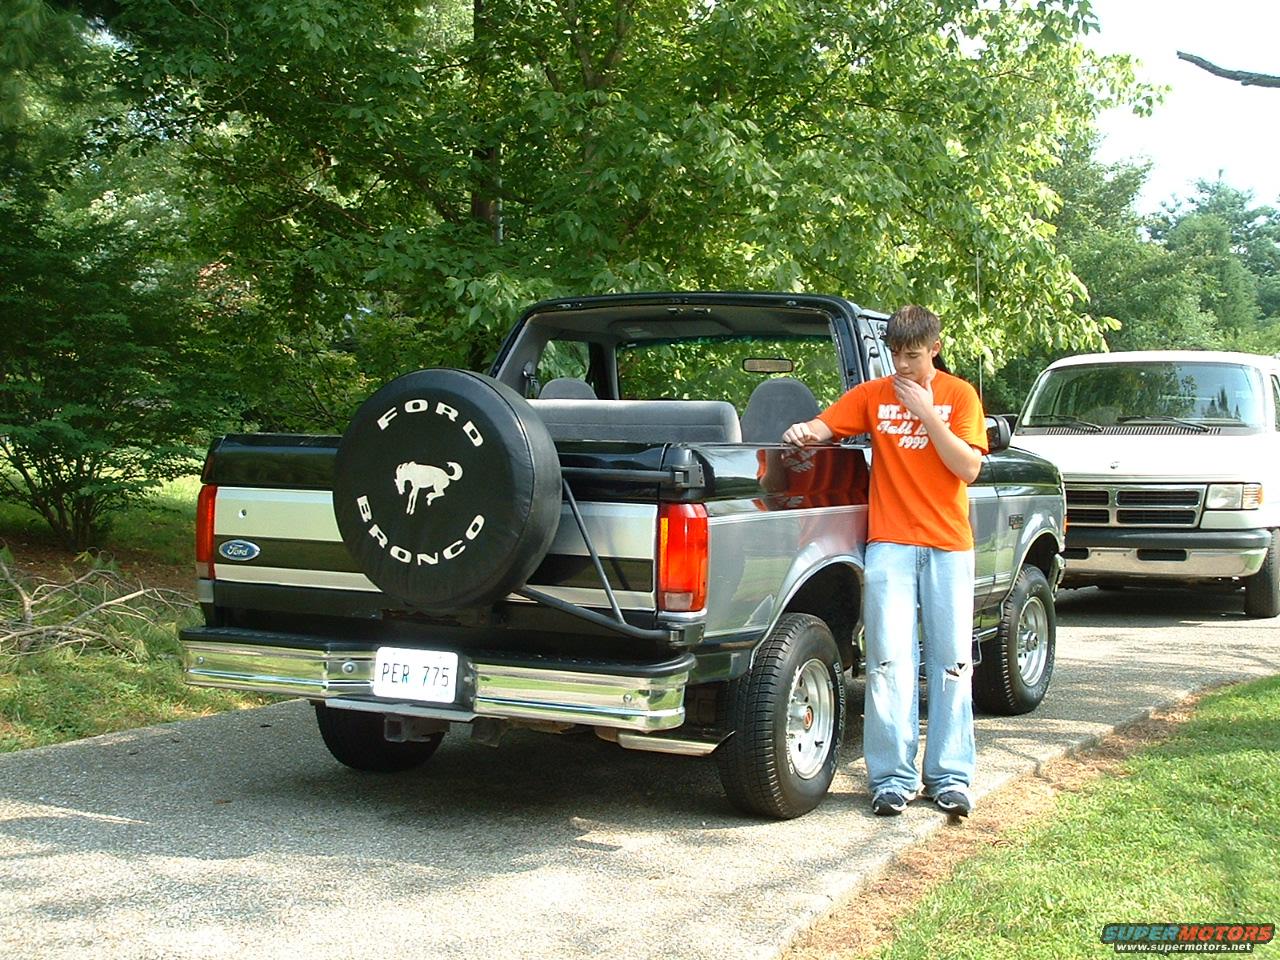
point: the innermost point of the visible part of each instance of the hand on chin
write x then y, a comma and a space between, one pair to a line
912, 394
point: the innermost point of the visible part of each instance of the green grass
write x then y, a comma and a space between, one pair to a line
65, 694
1188, 833
161, 527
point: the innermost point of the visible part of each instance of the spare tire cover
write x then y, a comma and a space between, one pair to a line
447, 489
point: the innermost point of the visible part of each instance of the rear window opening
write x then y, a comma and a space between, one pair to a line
726, 368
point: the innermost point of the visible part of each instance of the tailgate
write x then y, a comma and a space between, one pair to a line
273, 521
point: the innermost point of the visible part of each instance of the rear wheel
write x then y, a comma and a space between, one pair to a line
1262, 590
1016, 666
787, 715
354, 737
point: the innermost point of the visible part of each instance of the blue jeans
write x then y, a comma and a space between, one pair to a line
898, 578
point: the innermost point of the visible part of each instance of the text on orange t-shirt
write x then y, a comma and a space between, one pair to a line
915, 498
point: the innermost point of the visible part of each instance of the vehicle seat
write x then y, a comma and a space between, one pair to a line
566, 388
663, 421
775, 405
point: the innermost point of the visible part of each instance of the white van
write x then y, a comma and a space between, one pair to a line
1171, 460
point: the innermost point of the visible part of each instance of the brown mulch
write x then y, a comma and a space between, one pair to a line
38, 558
864, 922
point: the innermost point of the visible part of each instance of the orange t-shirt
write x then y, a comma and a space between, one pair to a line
915, 499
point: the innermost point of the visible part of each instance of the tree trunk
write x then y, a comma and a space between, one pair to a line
484, 196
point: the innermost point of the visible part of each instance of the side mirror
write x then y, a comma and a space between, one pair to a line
998, 433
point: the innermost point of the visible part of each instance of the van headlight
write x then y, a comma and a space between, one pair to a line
1233, 496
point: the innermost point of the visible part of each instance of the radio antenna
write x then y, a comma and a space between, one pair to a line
977, 281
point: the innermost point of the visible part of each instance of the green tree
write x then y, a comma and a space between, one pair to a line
1203, 274
1154, 296
1237, 243
394, 180
1202, 243
1149, 296
105, 375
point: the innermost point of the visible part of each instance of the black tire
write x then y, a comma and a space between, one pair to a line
798, 661
1262, 590
474, 445
354, 737
1017, 665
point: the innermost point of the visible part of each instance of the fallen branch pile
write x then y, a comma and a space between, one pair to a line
99, 609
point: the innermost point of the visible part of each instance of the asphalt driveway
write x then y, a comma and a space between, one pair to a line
237, 836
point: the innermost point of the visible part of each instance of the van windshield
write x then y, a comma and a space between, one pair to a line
1095, 396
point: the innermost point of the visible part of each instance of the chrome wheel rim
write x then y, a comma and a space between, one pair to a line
811, 718
1033, 641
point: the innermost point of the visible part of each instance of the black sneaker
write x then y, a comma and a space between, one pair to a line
954, 802
889, 803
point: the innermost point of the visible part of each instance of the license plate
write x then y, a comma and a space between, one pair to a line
427, 675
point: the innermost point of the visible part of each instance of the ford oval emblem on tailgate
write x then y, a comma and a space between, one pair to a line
239, 550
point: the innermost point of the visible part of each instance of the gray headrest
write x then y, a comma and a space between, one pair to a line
566, 388
775, 405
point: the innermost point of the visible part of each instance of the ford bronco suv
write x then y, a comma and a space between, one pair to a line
604, 533
1172, 466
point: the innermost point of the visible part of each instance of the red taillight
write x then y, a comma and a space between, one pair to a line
682, 557
204, 530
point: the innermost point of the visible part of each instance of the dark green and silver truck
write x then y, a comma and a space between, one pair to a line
605, 533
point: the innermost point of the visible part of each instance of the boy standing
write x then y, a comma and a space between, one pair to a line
927, 442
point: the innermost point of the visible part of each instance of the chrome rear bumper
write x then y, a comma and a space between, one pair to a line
641, 697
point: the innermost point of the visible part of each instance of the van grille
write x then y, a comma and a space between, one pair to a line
1134, 505
1099, 517
1089, 497
1158, 498
1156, 518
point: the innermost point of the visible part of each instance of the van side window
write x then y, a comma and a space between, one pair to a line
1275, 398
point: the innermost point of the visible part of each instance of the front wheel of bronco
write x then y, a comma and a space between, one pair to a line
786, 714
1016, 666
1262, 590
354, 737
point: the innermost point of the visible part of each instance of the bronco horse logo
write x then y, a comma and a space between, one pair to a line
421, 476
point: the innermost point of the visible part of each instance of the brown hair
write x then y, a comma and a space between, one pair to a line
912, 326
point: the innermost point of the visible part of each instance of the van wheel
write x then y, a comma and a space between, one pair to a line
354, 737
787, 715
1016, 666
1262, 590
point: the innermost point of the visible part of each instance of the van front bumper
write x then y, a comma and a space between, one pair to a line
1099, 553
644, 696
